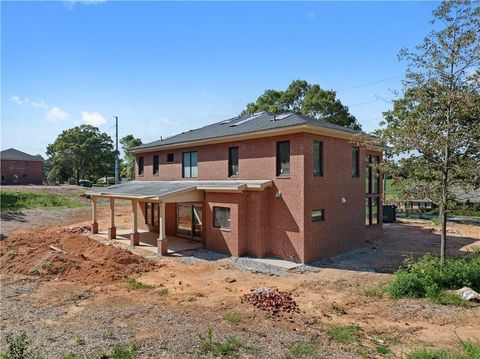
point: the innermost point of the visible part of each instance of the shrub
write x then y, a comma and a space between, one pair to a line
427, 278
18, 347
136, 285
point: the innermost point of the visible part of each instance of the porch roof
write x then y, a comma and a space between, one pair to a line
163, 189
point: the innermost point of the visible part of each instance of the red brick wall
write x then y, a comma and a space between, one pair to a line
277, 222
31, 174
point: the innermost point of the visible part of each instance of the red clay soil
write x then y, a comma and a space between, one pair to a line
28, 252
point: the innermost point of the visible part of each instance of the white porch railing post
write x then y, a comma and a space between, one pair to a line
162, 237
94, 215
112, 230
134, 236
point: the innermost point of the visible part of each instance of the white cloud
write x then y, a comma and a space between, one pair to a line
167, 121
93, 118
19, 101
39, 104
70, 4
56, 113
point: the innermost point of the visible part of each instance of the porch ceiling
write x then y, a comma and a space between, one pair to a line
166, 189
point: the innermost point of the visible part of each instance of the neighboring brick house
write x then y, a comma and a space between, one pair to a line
284, 186
21, 168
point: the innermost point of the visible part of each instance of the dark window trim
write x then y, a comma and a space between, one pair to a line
279, 162
156, 165
190, 167
320, 218
230, 162
173, 157
320, 158
230, 222
154, 213
356, 162
369, 209
141, 165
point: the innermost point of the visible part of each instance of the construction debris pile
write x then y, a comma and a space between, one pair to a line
82, 229
272, 301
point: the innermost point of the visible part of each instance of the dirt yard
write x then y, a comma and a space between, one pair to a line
82, 300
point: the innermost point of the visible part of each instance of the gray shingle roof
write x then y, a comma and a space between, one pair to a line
163, 188
244, 124
16, 155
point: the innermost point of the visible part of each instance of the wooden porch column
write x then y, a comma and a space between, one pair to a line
94, 215
112, 230
162, 237
134, 236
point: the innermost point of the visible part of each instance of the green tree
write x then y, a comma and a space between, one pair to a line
81, 152
305, 99
436, 122
128, 168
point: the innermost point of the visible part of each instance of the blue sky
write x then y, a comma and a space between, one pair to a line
164, 67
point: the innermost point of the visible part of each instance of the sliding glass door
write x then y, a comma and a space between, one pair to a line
189, 220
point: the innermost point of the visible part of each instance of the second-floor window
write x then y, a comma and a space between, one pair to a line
156, 164
372, 174
317, 158
283, 158
190, 164
355, 162
233, 161
140, 166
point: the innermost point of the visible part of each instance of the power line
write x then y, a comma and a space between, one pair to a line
370, 83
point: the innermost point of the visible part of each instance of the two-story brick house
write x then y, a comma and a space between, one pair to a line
284, 186
21, 168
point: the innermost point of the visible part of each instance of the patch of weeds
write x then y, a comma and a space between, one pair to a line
15, 201
338, 309
34, 271
109, 334
382, 349
80, 341
233, 318
302, 350
425, 353
163, 292
137, 285
47, 265
445, 298
344, 333
228, 347
466, 349
18, 347
120, 351
374, 292
73, 356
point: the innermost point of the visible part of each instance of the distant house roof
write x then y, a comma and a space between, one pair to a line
16, 155
246, 124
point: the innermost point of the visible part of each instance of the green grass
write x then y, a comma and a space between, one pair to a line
374, 292
466, 349
229, 347
302, 350
344, 333
137, 285
233, 318
382, 349
163, 292
426, 278
15, 201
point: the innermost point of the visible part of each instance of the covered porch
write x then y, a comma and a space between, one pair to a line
159, 212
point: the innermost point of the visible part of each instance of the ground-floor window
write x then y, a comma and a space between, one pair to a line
3, 178
372, 213
152, 214
318, 215
221, 217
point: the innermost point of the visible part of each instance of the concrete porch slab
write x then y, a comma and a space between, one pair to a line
148, 241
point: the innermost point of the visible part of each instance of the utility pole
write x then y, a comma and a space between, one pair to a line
117, 165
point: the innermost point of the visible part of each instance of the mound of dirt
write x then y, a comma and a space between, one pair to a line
77, 258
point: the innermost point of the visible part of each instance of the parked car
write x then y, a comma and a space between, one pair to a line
85, 183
